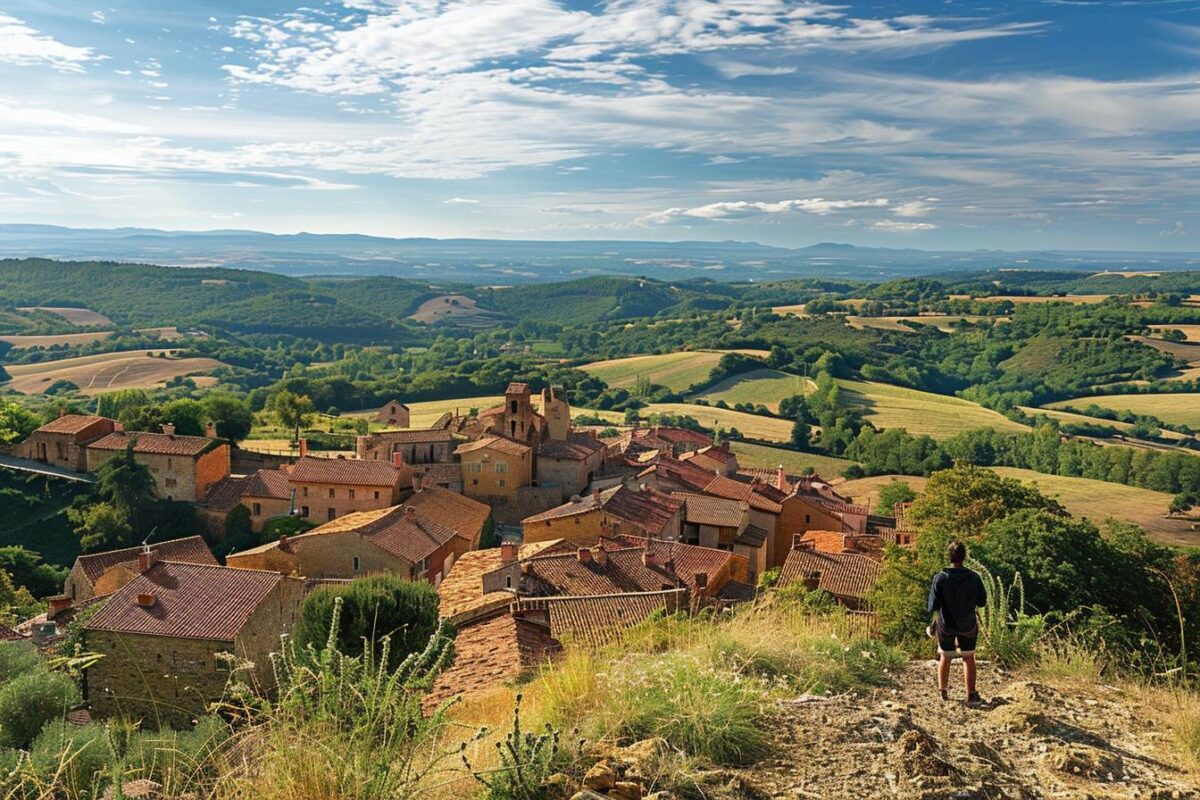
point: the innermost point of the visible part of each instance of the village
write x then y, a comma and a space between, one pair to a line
533, 531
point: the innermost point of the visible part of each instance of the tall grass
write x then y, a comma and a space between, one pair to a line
1009, 635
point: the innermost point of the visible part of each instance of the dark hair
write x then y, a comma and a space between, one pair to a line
956, 552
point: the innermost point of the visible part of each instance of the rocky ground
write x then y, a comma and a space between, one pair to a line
1031, 741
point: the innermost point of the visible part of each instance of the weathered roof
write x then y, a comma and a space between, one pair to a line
226, 493
462, 588
683, 473
718, 454
753, 536
344, 471
498, 443
70, 423
439, 473
622, 571
647, 508
685, 561
517, 388
410, 436
165, 444
191, 601
841, 574
737, 592
490, 652
392, 403
271, 483
597, 621
189, 549
736, 490
450, 509
705, 509
576, 447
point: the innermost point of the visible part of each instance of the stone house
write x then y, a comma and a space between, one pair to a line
160, 636
847, 577
622, 509
557, 413
415, 447
394, 414
516, 419
63, 442
184, 467
100, 574
419, 540
328, 488
718, 460
265, 493
766, 504
570, 463
725, 524
495, 467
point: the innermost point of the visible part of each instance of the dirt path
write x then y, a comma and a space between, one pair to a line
1031, 741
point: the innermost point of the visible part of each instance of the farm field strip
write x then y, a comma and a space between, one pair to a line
760, 386
947, 323
1192, 332
105, 372
22, 341
676, 371
76, 316
1181, 408
764, 457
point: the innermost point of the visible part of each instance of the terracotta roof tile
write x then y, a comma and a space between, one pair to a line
271, 483
576, 447
451, 509
685, 561
439, 473
409, 436
490, 652
728, 488
650, 510
705, 509
71, 423
517, 388
344, 471
753, 536
226, 493
597, 621
462, 588
622, 571
191, 601
189, 549
843, 575
737, 592
155, 443
498, 443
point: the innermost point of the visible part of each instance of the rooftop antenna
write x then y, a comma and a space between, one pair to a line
146, 541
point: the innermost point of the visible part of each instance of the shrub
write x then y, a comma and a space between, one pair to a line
17, 658
75, 758
372, 608
29, 701
1009, 634
526, 761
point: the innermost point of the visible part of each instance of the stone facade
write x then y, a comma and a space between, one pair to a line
393, 414
319, 502
66, 449
176, 477
496, 472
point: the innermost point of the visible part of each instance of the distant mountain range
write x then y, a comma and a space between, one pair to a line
503, 261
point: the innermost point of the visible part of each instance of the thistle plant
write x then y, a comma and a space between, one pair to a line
1009, 633
527, 759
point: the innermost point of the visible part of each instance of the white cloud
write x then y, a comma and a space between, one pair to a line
915, 208
742, 209
99, 18
1178, 229
463, 201
897, 226
21, 44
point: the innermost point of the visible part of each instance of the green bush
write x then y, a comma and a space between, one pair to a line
372, 608
75, 758
1009, 634
29, 701
17, 658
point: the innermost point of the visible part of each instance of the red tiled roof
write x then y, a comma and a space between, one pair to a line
451, 510
272, 483
70, 423
597, 621
737, 592
226, 493
439, 473
705, 509
647, 509
498, 443
685, 561
462, 588
189, 549
344, 471
517, 388
155, 443
409, 436
846, 575
490, 652
683, 473
753, 537
730, 489
621, 572
191, 601
576, 447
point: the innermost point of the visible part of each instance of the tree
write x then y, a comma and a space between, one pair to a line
801, 435
631, 416
1182, 502
372, 608
292, 410
125, 484
29, 571
893, 492
239, 531
16, 422
230, 413
100, 526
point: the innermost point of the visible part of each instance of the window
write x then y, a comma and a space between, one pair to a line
357, 564
304, 491
331, 495
508, 581
377, 495
169, 482
474, 481
514, 406
475, 466
256, 509
807, 519
169, 465
350, 494
576, 520
501, 466
331, 513
304, 511
503, 483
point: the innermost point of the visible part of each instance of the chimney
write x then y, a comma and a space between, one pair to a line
397, 459
210, 429
585, 555
416, 480
146, 558
410, 512
283, 541
509, 552
600, 555
701, 581
168, 428
303, 447
57, 604
146, 600
780, 479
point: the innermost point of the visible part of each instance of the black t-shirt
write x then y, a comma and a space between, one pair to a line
955, 594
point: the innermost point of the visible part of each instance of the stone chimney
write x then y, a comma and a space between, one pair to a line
398, 459
780, 479
600, 555
585, 555
701, 581
417, 482
509, 552
146, 600
210, 429
146, 558
303, 447
168, 428
410, 513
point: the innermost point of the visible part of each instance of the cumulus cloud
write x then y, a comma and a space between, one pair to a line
21, 44
743, 209
460, 201
899, 226
1178, 229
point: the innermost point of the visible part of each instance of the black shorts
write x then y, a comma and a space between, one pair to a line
949, 642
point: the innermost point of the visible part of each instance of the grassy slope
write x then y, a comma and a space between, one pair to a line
765, 386
757, 455
676, 371
939, 416
752, 425
1183, 408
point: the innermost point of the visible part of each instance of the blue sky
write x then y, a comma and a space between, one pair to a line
951, 124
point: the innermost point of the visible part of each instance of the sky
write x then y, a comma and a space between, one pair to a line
939, 125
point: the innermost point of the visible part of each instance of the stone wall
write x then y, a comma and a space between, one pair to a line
524, 502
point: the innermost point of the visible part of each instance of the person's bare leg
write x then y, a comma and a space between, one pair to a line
943, 672
969, 672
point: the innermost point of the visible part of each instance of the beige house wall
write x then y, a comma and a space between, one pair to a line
346, 499
488, 481
175, 477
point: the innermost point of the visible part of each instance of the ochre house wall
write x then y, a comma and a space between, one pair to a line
268, 507
325, 555
315, 496
486, 482
799, 516
175, 477
210, 468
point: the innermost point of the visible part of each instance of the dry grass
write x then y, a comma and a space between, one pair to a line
939, 416
1076, 299
1178, 408
453, 306
865, 491
761, 386
1192, 332
676, 371
794, 311
107, 372
762, 456
76, 316
24, 341
768, 429
947, 323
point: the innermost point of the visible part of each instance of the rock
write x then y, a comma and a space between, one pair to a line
626, 790
557, 786
1088, 762
587, 794
140, 789
600, 778
643, 752
918, 756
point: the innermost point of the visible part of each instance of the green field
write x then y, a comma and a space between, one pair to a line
757, 455
760, 386
943, 322
1083, 497
937, 415
676, 371
1179, 409
766, 428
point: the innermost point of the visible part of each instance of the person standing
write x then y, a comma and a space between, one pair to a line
954, 595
